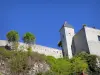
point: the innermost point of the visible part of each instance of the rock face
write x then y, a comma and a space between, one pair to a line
37, 68
4, 69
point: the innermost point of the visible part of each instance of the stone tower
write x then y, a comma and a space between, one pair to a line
66, 34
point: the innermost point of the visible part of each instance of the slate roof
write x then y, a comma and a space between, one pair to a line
66, 25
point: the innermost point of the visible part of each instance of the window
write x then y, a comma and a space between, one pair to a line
99, 38
69, 33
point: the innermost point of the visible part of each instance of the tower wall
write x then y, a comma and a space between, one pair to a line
64, 43
67, 34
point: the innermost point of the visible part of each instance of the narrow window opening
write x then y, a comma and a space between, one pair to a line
99, 38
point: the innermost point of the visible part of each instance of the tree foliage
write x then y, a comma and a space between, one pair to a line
91, 61
79, 65
12, 36
29, 38
63, 66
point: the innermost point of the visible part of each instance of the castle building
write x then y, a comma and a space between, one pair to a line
87, 40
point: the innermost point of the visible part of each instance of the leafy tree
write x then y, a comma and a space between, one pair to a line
13, 38
79, 65
29, 38
91, 61
59, 66
65, 66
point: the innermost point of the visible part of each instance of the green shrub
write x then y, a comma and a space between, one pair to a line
22, 61
79, 65
65, 66
19, 63
29, 51
60, 66
5, 53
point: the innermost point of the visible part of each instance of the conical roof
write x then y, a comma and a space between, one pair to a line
67, 25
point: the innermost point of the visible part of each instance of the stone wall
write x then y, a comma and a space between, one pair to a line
40, 49
92, 40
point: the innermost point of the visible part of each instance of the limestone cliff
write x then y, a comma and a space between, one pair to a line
38, 67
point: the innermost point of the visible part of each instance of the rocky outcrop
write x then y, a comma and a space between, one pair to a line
4, 69
37, 67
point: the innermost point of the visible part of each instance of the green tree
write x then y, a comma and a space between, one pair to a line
13, 38
60, 66
91, 61
29, 38
79, 65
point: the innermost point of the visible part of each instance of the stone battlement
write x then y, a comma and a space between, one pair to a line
40, 49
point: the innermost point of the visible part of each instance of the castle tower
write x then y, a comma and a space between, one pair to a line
66, 34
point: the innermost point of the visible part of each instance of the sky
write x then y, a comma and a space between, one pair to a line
44, 18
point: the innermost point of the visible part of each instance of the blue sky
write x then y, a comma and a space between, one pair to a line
44, 18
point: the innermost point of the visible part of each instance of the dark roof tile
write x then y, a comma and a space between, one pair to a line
67, 25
